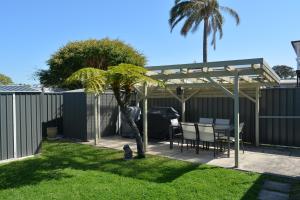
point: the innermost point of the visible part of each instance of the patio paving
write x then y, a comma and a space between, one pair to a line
284, 162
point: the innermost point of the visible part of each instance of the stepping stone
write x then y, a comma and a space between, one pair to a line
271, 195
277, 186
295, 197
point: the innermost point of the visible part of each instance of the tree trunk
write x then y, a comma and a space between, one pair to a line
125, 111
138, 137
205, 40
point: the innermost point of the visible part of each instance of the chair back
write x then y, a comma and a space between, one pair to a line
206, 132
206, 120
222, 123
189, 131
241, 127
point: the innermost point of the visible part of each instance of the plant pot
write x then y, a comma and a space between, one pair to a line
51, 132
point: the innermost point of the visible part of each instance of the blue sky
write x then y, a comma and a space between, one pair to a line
32, 30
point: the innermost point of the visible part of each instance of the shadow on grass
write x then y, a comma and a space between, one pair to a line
57, 156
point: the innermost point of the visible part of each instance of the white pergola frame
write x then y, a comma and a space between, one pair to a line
213, 79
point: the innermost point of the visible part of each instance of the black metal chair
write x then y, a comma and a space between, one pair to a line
207, 134
189, 135
232, 139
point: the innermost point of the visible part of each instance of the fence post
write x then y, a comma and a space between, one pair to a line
15, 125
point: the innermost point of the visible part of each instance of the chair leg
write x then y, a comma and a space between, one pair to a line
242, 144
197, 147
228, 150
181, 145
214, 149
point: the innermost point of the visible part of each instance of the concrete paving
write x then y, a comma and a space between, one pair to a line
284, 162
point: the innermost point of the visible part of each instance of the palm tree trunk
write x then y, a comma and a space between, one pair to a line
138, 137
205, 40
125, 111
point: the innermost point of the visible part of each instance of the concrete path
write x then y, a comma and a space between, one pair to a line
263, 160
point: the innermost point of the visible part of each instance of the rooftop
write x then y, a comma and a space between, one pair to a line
17, 88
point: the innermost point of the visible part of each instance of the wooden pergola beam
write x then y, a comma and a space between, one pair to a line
209, 64
226, 91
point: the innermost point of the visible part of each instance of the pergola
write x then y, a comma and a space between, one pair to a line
232, 78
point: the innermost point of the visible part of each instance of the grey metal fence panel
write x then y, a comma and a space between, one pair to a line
29, 120
27, 128
52, 106
90, 118
280, 116
75, 115
6, 126
79, 119
108, 114
279, 111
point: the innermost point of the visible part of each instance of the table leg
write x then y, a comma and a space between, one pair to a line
171, 137
228, 140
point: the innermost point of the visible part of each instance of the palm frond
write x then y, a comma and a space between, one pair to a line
92, 79
232, 12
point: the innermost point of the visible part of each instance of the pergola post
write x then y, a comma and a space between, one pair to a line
182, 107
257, 116
236, 119
96, 119
145, 117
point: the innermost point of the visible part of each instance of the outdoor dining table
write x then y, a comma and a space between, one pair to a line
220, 129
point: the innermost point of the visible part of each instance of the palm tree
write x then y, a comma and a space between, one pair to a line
196, 11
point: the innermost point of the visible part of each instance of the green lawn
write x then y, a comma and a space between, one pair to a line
67, 170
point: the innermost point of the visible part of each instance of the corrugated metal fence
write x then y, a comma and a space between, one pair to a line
20, 127
279, 114
52, 112
79, 121
73, 114
213, 107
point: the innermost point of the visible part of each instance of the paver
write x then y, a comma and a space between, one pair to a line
271, 195
277, 186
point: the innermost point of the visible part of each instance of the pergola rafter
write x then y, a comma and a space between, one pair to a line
225, 78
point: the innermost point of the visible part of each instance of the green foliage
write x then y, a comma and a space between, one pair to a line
67, 170
126, 76
5, 80
284, 71
93, 80
98, 54
120, 77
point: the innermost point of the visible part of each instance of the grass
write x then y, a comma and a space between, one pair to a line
67, 170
